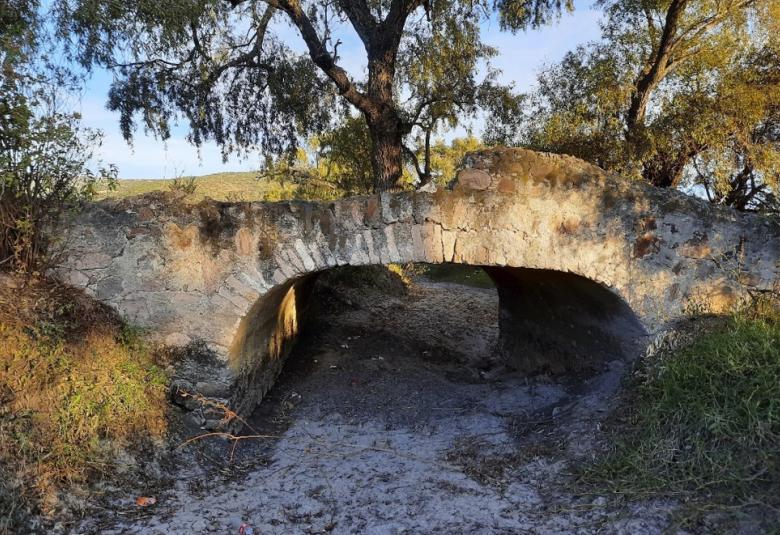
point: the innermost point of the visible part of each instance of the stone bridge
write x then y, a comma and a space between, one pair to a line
584, 262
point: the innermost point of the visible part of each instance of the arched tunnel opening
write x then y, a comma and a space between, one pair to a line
436, 395
402, 333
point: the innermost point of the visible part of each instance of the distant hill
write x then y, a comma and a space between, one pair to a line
241, 186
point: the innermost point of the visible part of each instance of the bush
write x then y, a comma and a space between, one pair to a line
43, 173
704, 423
44, 152
184, 185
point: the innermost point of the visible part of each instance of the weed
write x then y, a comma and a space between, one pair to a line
184, 185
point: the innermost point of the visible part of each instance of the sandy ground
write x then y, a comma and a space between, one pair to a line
391, 417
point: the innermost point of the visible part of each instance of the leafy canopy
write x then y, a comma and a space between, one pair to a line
679, 93
230, 71
44, 151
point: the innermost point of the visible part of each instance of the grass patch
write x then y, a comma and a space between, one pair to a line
458, 274
704, 422
77, 390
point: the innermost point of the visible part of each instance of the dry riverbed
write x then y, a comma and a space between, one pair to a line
392, 417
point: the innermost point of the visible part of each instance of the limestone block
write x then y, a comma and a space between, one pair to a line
432, 241
304, 255
474, 179
373, 256
418, 244
448, 238
392, 249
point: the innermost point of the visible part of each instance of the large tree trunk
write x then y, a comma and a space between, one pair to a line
381, 40
667, 170
383, 118
386, 152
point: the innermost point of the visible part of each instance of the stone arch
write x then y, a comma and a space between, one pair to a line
201, 272
549, 322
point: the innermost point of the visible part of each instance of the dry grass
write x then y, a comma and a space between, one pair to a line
76, 389
243, 186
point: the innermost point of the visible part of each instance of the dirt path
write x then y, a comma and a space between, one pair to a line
393, 418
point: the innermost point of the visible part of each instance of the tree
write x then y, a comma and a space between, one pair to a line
222, 66
444, 159
678, 92
343, 156
738, 163
333, 164
43, 151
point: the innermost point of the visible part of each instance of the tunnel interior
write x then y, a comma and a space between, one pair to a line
557, 322
525, 321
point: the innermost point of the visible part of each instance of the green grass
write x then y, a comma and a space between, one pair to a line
458, 274
704, 423
240, 186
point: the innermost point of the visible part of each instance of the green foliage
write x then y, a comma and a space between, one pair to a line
43, 150
458, 274
678, 93
705, 421
77, 390
187, 186
223, 68
43, 172
242, 90
19, 25
439, 68
344, 159
523, 14
446, 159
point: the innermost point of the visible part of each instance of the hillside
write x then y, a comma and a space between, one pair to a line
239, 186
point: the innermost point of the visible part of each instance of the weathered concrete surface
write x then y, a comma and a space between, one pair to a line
234, 274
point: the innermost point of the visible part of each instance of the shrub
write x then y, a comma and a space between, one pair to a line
43, 173
44, 152
183, 185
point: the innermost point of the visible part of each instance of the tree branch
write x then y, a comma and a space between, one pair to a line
319, 53
362, 20
413, 156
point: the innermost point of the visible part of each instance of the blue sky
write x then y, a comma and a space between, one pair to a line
520, 58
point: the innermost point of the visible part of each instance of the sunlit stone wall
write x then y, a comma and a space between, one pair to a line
234, 275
